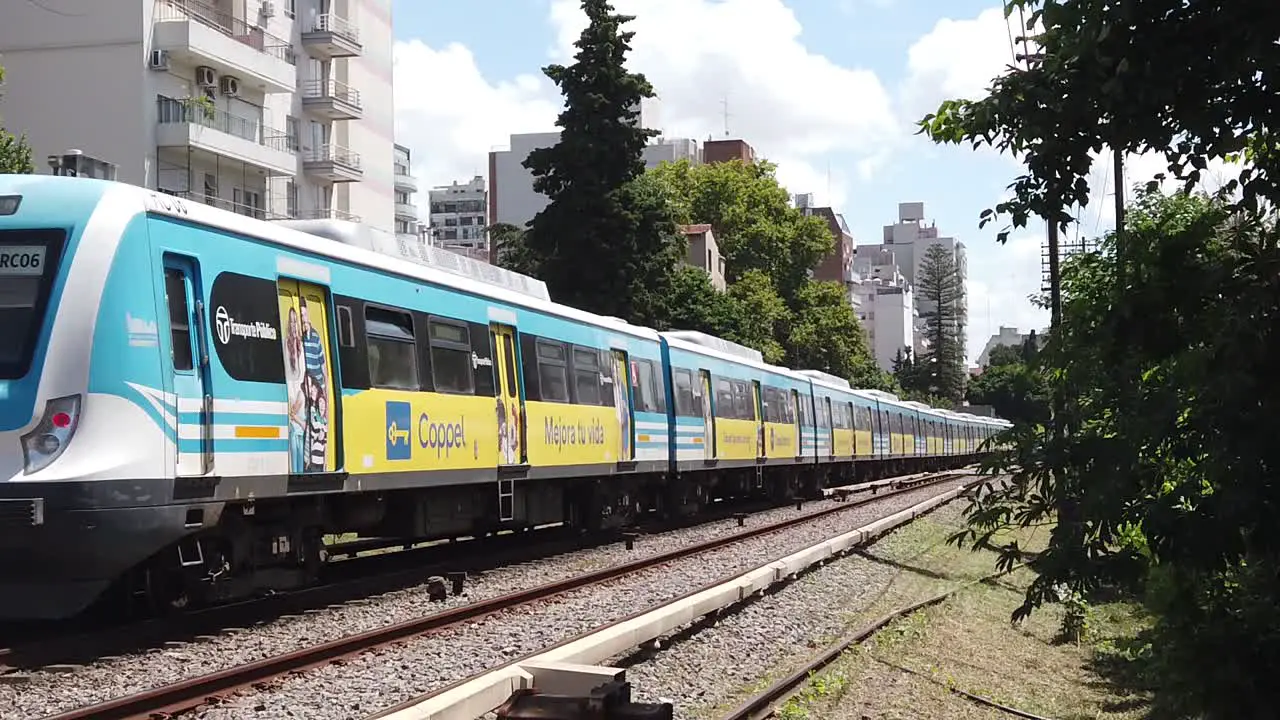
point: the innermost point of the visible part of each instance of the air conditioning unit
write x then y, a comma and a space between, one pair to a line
159, 60
268, 9
206, 77
230, 86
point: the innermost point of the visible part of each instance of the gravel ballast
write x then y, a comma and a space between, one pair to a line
764, 640
387, 676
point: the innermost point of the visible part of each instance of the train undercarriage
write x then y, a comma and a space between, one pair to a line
251, 548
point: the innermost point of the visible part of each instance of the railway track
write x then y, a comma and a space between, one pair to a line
348, 580
193, 692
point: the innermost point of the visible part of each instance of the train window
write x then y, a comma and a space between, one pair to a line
769, 399
393, 356
647, 399
553, 371
788, 407
724, 399
451, 365
686, 406
346, 328
742, 409
175, 288
586, 376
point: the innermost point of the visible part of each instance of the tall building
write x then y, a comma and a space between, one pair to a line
909, 239
512, 198
459, 217
837, 265
274, 109
886, 305
405, 186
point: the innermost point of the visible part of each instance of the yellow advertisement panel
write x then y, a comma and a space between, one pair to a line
862, 438
736, 439
563, 434
781, 440
843, 442
398, 430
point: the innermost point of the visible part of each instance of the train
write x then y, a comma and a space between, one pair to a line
192, 400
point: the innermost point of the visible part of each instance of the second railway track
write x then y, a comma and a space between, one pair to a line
190, 692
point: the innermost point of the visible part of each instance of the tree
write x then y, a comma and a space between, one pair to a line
1099, 73
941, 370
509, 250
770, 249
15, 153
603, 243
1165, 354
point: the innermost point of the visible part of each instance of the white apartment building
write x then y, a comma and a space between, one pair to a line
1006, 337
271, 108
407, 226
909, 239
512, 198
886, 304
459, 213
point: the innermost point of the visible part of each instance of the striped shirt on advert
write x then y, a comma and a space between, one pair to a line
318, 436
314, 352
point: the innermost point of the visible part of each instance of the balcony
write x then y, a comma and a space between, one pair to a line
333, 163
225, 204
194, 33
192, 124
406, 211
332, 37
328, 214
332, 99
404, 181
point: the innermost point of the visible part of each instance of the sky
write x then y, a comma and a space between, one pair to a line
829, 90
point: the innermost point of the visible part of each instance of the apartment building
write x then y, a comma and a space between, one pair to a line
459, 217
405, 186
513, 200
909, 240
704, 252
275, 109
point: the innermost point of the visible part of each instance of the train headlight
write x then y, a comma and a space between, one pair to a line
50, 436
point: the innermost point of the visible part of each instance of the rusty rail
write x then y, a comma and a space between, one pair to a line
192, 692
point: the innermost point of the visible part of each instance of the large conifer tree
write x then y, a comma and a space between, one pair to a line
605, 242
940, 370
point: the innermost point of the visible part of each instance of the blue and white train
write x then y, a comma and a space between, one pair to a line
191, 399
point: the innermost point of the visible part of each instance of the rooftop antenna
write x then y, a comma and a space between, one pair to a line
724, 103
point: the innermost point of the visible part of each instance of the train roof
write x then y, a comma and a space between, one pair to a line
701, 343
322, 239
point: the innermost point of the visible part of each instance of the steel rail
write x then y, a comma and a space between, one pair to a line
192, 692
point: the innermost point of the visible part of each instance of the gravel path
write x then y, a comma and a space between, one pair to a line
767, 639
392, 675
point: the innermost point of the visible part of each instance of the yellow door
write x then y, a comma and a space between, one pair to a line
313, 433
511, 430
622, 404
708, 417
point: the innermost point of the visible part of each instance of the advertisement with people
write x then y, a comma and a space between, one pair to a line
307, 377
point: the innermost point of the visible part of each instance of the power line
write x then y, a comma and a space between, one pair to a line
41, 6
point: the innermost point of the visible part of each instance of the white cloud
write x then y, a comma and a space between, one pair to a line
957, 59
696, 53
998, 292
451, 116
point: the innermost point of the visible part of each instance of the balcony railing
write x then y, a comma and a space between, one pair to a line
193, 112
331, 89
328, 214
334, 154
252, 211
227, 24
339, 26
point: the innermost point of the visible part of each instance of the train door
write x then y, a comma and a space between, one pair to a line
314, 430
831, 426
708, 416
756, 404
511, 430
189, 354
799, 423
622, 405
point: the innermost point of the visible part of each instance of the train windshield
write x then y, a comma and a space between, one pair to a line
28, 265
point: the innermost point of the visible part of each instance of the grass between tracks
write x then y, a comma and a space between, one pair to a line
967, 642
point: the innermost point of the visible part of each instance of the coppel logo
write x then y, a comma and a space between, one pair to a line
443, 437
398, 429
